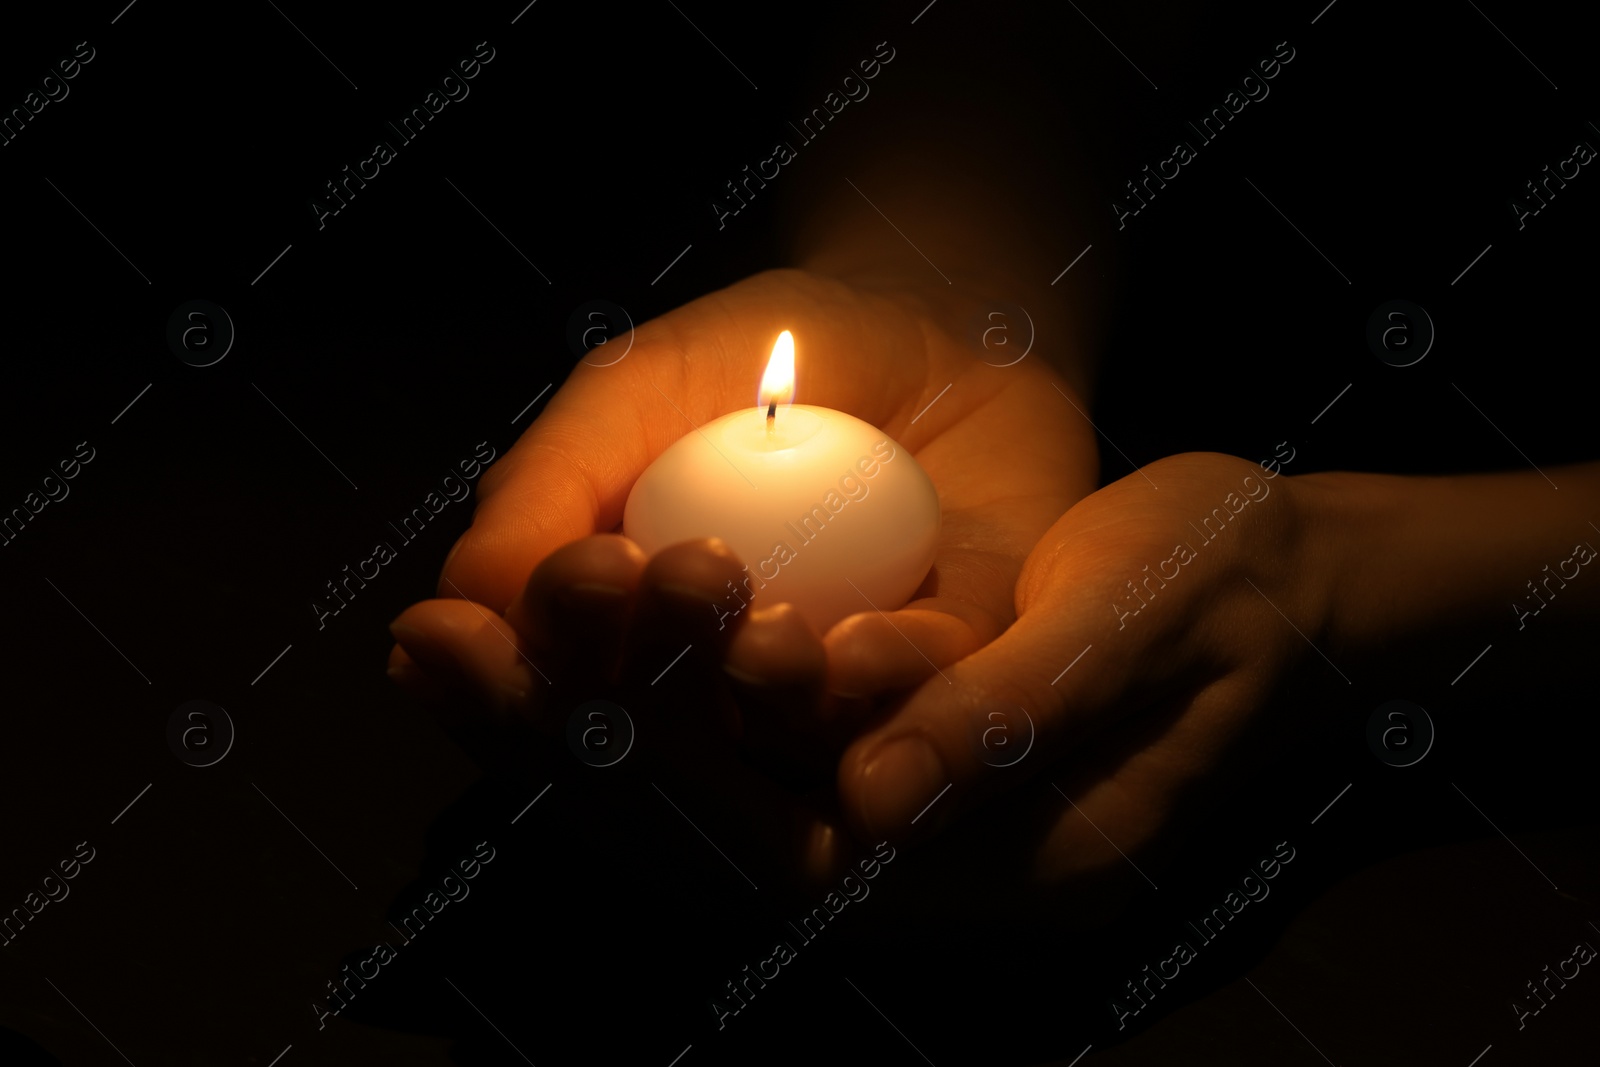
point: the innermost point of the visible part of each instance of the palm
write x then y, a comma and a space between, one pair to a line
1005, 448
1133, 744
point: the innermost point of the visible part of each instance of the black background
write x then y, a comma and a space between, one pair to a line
407, 329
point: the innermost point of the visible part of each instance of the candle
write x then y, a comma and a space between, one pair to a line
826, 512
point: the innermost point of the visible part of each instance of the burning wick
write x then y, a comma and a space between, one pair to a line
778, 381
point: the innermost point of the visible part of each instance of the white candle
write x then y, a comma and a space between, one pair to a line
826, 512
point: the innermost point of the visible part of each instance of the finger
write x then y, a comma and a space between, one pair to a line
1130, 809
879, 652
688, 605
462, 646
776, 648
575, 607
479, 697
969, 597
775, 666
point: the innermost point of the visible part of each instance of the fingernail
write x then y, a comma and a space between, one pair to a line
900, 787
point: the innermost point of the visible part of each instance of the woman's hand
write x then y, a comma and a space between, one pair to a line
1158, 631
1170, 640
1006, 447
542, 608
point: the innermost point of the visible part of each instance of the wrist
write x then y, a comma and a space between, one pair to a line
1423, 571
1349, 517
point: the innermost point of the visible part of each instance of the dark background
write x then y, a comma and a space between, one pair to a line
408, 329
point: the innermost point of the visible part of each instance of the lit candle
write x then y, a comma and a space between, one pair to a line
826, 512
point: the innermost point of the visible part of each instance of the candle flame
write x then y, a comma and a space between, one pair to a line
777, 384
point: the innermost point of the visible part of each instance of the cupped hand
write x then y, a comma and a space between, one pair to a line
1162, 621
541, 607
1007, 448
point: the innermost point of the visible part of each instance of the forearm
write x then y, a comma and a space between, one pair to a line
1425, 572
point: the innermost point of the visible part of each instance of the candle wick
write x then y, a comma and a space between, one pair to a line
772, 411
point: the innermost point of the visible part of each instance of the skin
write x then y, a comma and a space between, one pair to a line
569, 475
542, 606
880, 331
1394, 580
795, 740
